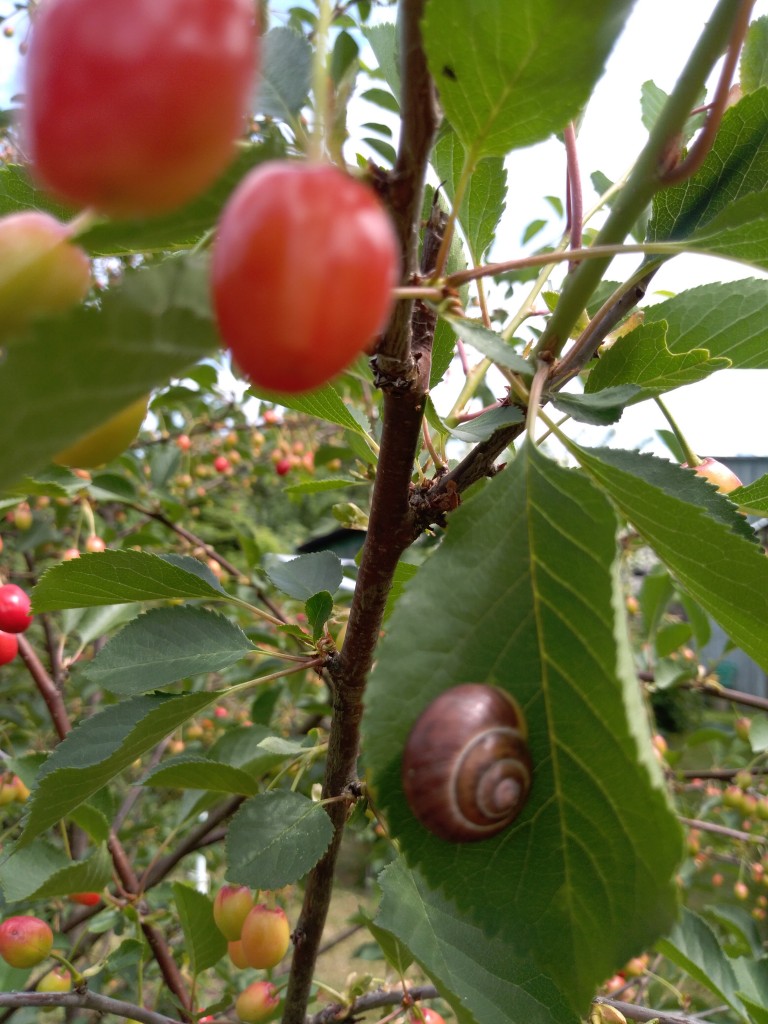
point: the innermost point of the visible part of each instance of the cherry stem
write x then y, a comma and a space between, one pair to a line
691, 458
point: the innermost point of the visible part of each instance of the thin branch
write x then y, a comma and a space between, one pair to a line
574, 192
642, 1013
718, 774
705, 140
372, 1001
749, 700
194, 840
46, 686
723, 830
85, 1000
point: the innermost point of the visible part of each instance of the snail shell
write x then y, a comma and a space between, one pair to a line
466, 767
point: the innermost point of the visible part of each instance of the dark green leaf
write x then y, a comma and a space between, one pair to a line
481, 427
113, 577
192, 771
286, 71
606, 406
203, 942
529, 595
319, 609
275, 838
753, 497
307, 575
165, 645
483, 978
100, 748
490, 344
43, 872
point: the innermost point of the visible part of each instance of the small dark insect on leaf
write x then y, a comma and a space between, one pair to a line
449, 72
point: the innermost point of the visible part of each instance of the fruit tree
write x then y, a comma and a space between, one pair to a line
349, 671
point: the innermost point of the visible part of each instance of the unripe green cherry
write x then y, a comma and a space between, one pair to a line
265, 937
57, 980
41, 272
230, 909
257, 1002
25, 941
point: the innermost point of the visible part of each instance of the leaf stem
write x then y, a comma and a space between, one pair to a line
691, 458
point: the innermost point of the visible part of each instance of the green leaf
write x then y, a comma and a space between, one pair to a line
753, 497
203, 942
404, 572
396, 953
717, 565
692, 945
652, 100
752, 980
443, 348
483, 202
275, 839
728, 320
324, 403
604, 407
643, 358
286, 74
736, 166
482, 427
501, 78
490, 344
65, 376
167, 644
477, 974
319, 609
383, 41
307, 575
531, 601
739, 232
114, 577
100, 748
44, 872
753, 66
328, 484
193, 771
91, 623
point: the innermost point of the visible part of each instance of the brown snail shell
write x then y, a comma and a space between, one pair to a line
466, 767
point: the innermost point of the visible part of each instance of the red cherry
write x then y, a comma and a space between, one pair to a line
9, 647
221, 464
14, 609
283, 466
428, 1016
135, 108
265, 937
86, 899
95, 543
184, 442
25, 941
257, 1002
303, 269
717, 473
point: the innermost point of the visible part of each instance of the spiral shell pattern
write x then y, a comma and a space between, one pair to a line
466, 767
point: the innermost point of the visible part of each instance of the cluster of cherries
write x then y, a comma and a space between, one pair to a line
14, 619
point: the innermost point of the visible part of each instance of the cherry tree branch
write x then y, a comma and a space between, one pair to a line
85, 1000
372, 1001
402, 365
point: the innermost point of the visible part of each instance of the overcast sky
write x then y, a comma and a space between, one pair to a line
724, 415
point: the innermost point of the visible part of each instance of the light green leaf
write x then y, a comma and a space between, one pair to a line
652, 100
692, 945
728, 320
275, 839
43, 872
604, 407
324, 402
383, 41
167, 644
643, 358
481, 427
739, 232
90, 623
753, 498
113, 577
286, 73
736, 166
490, 344
501, 78
307, 575
65, 376
753, 66
483, 201
203, 942
100, 748
752, 981
530, 600
193, 771
483, 978
719, 567
335, 483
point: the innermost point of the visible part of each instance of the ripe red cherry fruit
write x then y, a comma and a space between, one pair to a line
86, 899
303, 268
14, 609
9, 647
221, 464
25, 941
134, 108
283, 466
425, 1014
